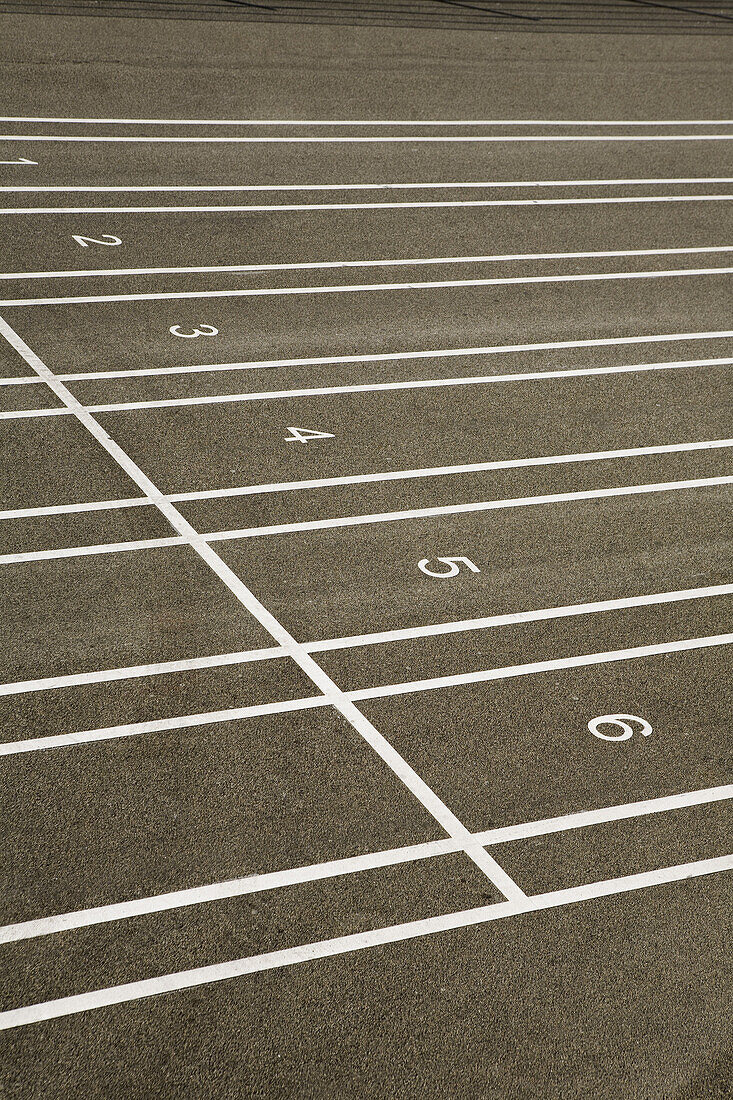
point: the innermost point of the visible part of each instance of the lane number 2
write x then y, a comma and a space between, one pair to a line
20, 160
305, 435
107, 239
454, 567
204, 330
621, 722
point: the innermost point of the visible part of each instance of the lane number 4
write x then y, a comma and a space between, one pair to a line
305, 435
454, 567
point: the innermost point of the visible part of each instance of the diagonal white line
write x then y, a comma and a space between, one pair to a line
331, 692
359, 941
275, 880
533, 668
414, 205
363, 288
327, 265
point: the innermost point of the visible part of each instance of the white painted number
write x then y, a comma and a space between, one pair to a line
454, 567
304, 435
20, 160
621, 722
205, 330
107, 239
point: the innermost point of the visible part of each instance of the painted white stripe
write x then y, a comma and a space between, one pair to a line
360, 288
108, 733
133, 672
365, 479
390, 357
158, 725
326, 265
369, 121
67, 509
633, 653
403, 139
371, 517
187, 979
455, 185
91, 551
460, 509
514, 618
436, 204
158, 903
330, 690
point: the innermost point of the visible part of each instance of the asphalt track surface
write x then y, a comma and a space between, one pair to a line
286, 812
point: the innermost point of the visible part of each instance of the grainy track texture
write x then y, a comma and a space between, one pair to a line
365, 415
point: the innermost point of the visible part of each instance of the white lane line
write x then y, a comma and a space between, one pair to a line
370, 517
67, 509
366, 479
453, 185
327, 265
295, 122
275, 880
391, 357
633, 653
461, 509
361, 288
368, 387
158, 725
430, 205
434, 806
403, 139
512, 618
383, 691
133, 672
91, 551
187, 979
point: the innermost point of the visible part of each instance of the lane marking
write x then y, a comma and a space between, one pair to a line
532, 668
371, 517
383, 691
369, 121
512, 618
444, 185
187, 979
402, 139
371, 478
159, 725
437, 204
360, 288
275, 880
460, 509
437, 353
327, 265
434, 806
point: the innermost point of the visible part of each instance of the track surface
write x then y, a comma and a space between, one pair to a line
294, 803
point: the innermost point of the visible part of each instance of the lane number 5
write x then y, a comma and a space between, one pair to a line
454, 567
204, 330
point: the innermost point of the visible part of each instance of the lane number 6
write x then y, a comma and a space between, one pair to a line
454, 567
204, 330
622, 722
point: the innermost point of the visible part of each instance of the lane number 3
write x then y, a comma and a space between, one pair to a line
454, 567
204, 330
622, 722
